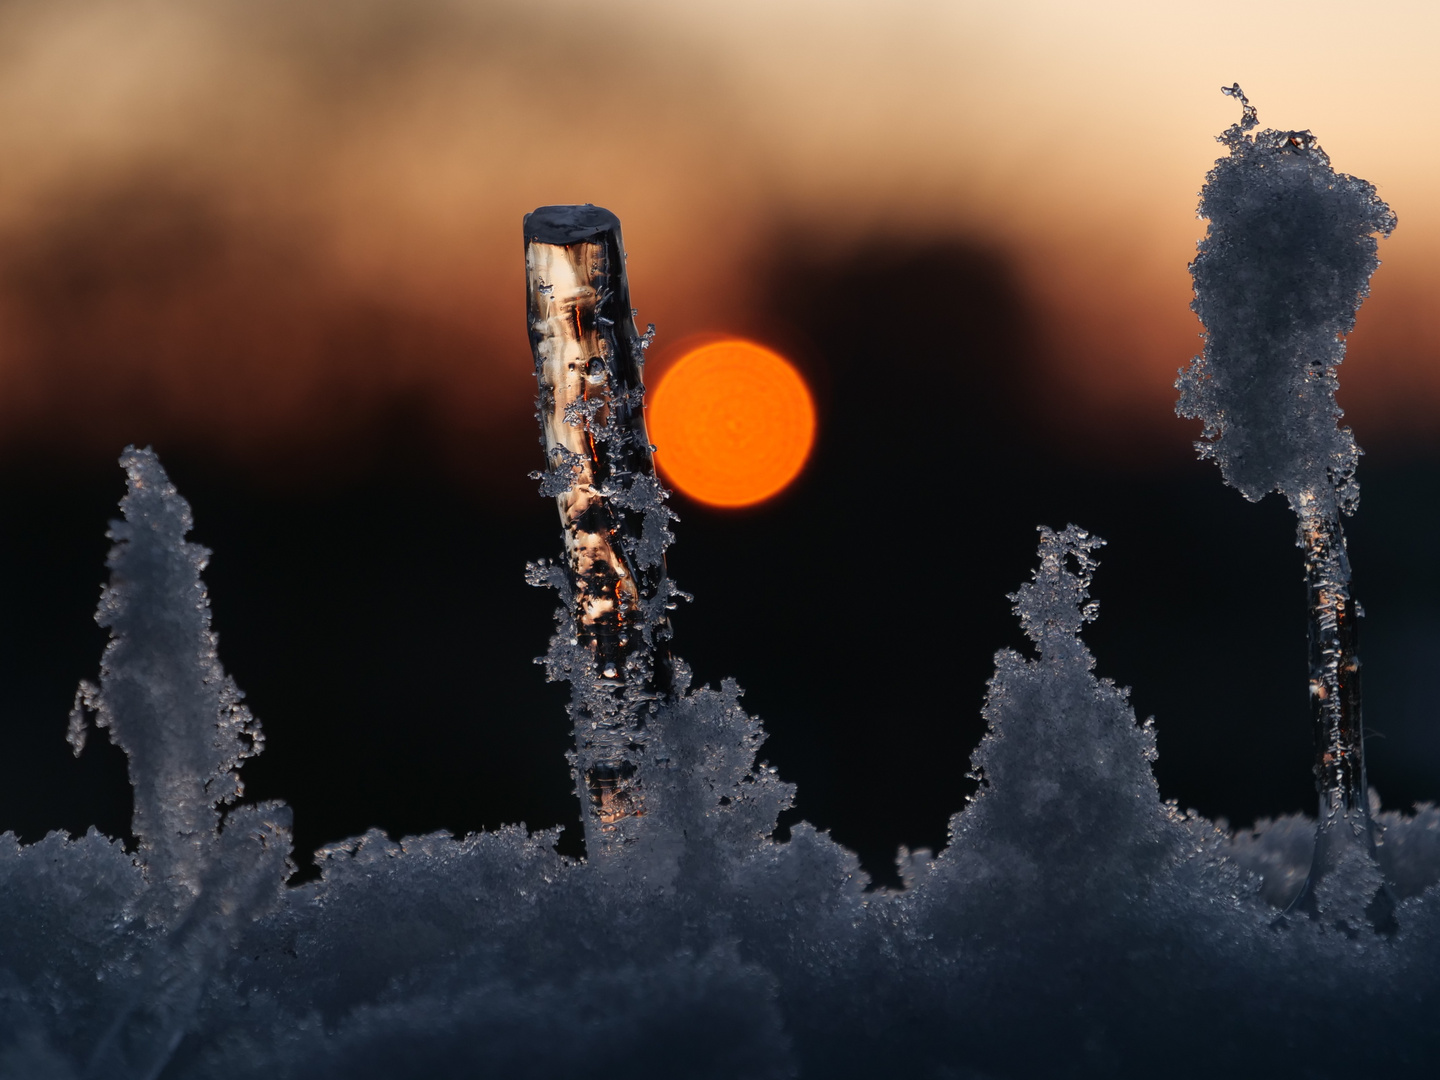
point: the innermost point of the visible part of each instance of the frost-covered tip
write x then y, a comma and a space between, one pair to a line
1055, 604
1282, 270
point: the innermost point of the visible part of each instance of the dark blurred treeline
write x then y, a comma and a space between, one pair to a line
376, 615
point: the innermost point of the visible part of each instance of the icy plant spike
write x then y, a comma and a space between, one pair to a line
163, 695
588, 364
1279, 276
168, 703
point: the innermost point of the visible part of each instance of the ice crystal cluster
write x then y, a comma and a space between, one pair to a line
1278, 278
1075, 925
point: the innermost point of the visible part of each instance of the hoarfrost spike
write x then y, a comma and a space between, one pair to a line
163, 695
168, 703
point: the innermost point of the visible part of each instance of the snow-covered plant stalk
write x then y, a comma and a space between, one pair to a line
1279, 277
588, 362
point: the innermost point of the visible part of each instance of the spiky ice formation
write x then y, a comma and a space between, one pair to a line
163, 694
153, 934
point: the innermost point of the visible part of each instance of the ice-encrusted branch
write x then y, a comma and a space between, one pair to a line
1279, 276
611, 644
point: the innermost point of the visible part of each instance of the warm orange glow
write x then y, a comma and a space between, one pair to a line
269, 230
733, 423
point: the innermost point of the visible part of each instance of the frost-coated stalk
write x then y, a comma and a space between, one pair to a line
1345, 824
1334, 668
1279, 277
588, 362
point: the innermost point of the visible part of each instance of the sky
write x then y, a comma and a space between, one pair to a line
281, 242
292, 216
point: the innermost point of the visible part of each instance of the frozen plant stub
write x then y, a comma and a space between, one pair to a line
1280, 274
610, 646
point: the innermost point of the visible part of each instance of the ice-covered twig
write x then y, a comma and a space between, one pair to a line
611, 646
1249, 118
1279, 277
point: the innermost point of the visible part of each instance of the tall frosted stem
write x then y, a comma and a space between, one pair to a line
588, 363
1279, 276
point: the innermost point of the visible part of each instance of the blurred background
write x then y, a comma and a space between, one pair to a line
281, 243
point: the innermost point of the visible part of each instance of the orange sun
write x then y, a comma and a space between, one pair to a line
732, 422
